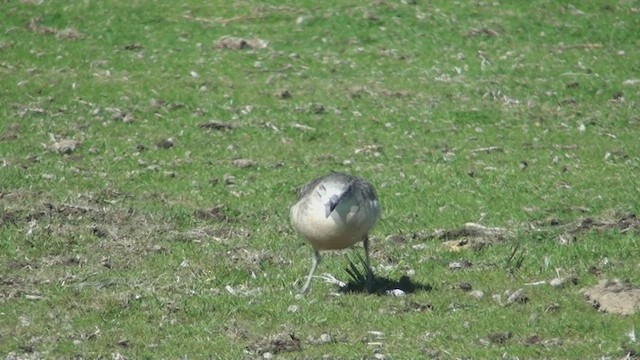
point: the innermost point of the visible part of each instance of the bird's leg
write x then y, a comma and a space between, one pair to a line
314, 266
369, 280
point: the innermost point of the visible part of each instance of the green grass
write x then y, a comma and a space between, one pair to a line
102, 251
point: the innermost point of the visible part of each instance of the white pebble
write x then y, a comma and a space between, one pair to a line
557, 282
396, 292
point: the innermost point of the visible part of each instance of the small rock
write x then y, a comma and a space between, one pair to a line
594, 270
376, 334
267, 355
317, 109
322, 339
237, 43
457, 265
396, 238
631, 82
65, 146
519, 296
557, 282
284, 94
165, 143
532, 340
500, 338
325, 338
417, 307
465, 286
477, 294
229, 179
552, 342
497, 298
124, 342
293, 308
243, 163
216, 125
157, 248
523, 165
396, 292
552, 307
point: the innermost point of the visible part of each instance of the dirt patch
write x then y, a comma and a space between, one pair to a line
469, 236
625, 222
499, 338
237, 43
9, 136
236, 330
65, 34
412, 307
120, 232
252, 260
622, 222
216, 125
473, 32
215, 213
64, 146
537, 340
209, 233
614, 297
282, 342
570, 231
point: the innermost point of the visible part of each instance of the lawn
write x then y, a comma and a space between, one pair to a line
149, 153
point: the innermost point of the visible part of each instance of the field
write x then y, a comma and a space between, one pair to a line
149, 153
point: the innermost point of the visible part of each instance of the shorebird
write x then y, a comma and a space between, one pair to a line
334, 212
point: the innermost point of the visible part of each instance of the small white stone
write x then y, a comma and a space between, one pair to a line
325, 338
396, 292
497, 298
557, 282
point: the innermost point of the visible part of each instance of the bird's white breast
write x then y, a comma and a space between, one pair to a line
346, 225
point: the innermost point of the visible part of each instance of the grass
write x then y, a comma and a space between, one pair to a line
518, 116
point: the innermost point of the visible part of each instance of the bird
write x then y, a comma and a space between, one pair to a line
334, 212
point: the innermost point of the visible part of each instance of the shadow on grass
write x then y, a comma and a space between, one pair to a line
381, 284
384, 286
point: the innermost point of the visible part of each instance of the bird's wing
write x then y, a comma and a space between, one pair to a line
331, 199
